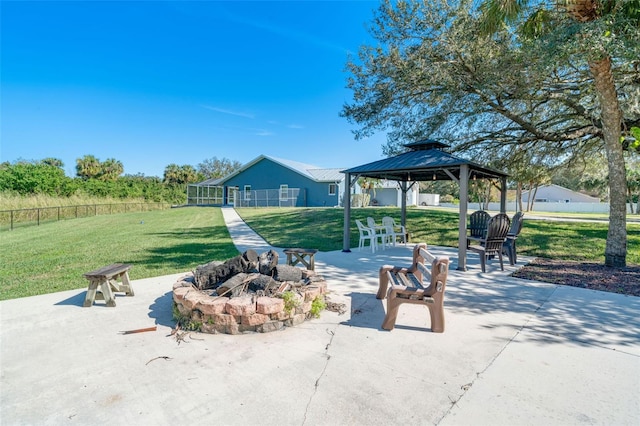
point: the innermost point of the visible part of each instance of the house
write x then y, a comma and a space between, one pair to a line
269, 181
388, 193
558, 194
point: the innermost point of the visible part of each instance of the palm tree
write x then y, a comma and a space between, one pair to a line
172, 174
88, 167
111, 169
180, 175
500, 12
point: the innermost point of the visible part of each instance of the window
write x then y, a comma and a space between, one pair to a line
247, 192
284, 192
333, 189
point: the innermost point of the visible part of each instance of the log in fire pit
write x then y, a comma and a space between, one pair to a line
248, 293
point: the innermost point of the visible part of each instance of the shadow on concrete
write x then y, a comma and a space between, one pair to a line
582, 316
162, 310
411, 328
366, 311
76, 300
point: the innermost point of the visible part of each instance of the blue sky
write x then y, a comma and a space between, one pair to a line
153, 83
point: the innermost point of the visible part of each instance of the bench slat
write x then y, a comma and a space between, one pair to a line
415, 282
300, 250
395, 279
109, 271
404, 280
427, 255
425, 272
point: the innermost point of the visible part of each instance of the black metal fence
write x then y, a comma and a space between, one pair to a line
11, 219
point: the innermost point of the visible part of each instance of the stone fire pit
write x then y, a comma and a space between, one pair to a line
249, 293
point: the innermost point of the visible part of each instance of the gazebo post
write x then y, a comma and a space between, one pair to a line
403, 203
462, 223
346, 234
503, 194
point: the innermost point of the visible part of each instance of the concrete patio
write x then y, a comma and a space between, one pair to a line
513, 352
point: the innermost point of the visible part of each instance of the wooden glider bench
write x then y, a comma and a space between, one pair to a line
105, 280
407, 287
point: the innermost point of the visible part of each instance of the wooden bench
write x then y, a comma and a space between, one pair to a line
105, 280
300, 254
405, 285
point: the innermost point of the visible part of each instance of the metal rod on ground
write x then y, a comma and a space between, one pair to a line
140, 330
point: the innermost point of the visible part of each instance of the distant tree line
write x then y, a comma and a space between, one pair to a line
105, 179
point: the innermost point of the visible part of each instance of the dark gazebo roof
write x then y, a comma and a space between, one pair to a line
426, 160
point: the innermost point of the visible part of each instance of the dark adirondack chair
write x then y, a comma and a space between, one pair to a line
478, 221
509, 246
491, 244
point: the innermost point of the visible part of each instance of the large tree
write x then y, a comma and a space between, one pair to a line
590, 29
180, 175
215, 168
88, 167
111, 169
434, 74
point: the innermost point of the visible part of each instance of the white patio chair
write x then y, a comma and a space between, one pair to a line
394, 231
380, 231
366, 233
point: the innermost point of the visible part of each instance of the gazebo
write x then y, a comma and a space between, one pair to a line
425, 161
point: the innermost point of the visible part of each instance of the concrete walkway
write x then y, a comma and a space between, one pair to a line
513, 352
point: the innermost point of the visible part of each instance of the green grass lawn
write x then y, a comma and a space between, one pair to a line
53, 257
633, 218
322, 229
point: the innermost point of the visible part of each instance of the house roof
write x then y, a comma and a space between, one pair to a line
327, 175
557, 192
209, 182
425, 161
312, 172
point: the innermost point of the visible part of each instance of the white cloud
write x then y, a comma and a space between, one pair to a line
290, 33
227, 111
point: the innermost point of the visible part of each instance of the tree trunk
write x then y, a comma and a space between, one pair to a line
615, 253
533, 191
